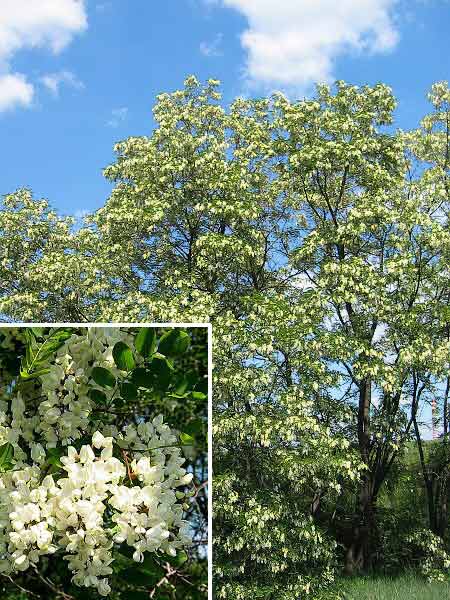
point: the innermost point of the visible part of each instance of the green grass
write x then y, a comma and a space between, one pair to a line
407, 587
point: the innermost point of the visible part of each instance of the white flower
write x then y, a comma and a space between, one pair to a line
98, 441
103, 587
37, 453
86, 454
138, 556
21, 562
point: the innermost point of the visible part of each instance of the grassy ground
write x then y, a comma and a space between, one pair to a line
406, 587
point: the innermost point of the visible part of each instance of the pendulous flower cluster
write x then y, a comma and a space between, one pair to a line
123, 486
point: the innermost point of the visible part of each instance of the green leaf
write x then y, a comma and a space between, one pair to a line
103, 377
195, 427
185, 382
145, 341
178, 396
37, 354
54, 455
6, 452
34, 374
123, 357
202, 386
186, 439
6, 456
120, 563
38, 332
142, 378
151, 566
97, 396
174, 342
162, 371
178, 560
128, 391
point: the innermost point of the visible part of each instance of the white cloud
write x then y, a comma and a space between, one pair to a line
212, 48
294, 43
14, 91
29, 24
53, 81
118, 116
39, 23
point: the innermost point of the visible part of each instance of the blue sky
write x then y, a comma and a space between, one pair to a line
78, 75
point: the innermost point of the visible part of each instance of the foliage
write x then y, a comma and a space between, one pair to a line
93, 492
430, 554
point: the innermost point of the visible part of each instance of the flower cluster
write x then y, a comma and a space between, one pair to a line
64, 415
40, 515
121, 486
160, 477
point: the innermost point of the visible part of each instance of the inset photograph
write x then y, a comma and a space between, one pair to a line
104, 462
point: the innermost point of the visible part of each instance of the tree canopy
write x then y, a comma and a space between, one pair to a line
314, 235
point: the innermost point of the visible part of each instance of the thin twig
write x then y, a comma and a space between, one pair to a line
19, 587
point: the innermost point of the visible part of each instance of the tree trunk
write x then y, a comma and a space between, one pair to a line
427, 478
359, 552
441, 496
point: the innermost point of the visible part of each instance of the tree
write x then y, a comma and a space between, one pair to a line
305, 233
368, 248
428, 151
